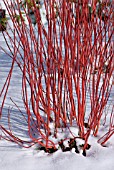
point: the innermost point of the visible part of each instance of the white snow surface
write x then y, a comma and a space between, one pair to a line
14, 157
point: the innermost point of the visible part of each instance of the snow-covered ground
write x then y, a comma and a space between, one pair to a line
14, 157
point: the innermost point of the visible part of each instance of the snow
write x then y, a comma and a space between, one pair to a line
14, 157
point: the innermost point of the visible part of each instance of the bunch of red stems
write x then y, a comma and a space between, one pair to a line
66, 64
